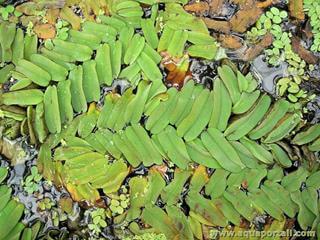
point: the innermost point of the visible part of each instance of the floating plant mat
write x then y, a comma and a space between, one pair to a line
141, 126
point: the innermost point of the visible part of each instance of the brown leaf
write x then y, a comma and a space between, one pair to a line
307, 30
310, 157
242, 2
202, 7
216, 6
230, 41
244, 224
25, 20
66, 204
290, 223
45, 31
197, 7
52, 15
162, 169
306, 55
266, 3
12, 151
219, 26
177, 75
252, 52
244, 19
248, 13
296, 9
28, 8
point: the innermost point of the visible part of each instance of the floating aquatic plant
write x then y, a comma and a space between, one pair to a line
230, 147
280, 52
98, 220
152, 161
9, 10
147, 236
313, 10
31, 183
45, 204
62, 29
11, 212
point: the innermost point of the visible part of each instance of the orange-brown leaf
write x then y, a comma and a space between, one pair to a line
296, 9
52, 15
45, 31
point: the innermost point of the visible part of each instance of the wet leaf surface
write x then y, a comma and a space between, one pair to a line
306, 55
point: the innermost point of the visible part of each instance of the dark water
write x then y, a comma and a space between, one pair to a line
17, 173
268, 75
203, 71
